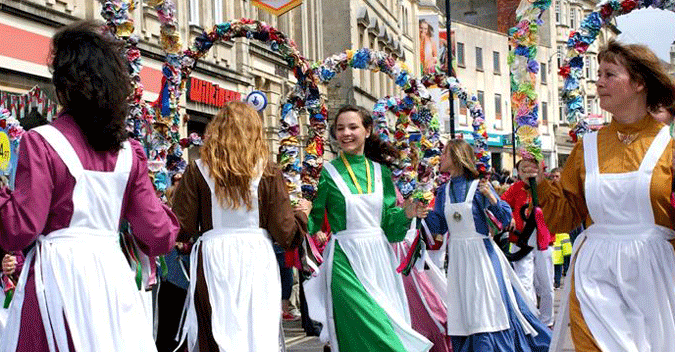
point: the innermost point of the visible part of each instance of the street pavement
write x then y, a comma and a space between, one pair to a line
296, 341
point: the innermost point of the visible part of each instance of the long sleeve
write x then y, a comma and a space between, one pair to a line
286, 226
316, 217
563, 202
153, 223
394, 222
187, 204
436, 218
24, 211
501, 210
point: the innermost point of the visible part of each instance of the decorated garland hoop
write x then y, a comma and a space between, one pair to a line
578, 43
522, 59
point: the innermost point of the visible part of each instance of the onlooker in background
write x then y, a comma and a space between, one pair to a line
535, 270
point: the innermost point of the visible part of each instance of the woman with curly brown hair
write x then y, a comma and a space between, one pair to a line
75, 180
235, 202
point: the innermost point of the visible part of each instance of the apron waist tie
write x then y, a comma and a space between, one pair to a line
636, 232
234, 231
359, 233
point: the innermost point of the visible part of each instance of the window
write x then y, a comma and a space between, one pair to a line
495, 61
558, 13
559, 55
544, 117
460, 54
573, 18
194, 12
481, 100
589, 105
479, 58
498, 112
463, 118
542, 69
218, 11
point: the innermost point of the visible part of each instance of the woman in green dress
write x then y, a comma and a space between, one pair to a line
358, 296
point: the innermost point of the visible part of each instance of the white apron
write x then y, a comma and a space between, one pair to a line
242, 276
625, 269
80, 270
474, 300
372, 259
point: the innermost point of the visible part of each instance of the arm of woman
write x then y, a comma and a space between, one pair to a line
286, 226
187, 202
153, 223
498, 207
436, 218
24, 211
316, 216
563, 202
394, 221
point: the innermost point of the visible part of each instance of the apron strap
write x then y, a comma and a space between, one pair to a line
124, 158
472, 191
655, 150
337, 178
63, 148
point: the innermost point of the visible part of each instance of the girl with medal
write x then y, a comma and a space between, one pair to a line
487, 310
358, 296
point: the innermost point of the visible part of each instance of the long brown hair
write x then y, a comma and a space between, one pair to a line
235, 152
462, 155
644, 67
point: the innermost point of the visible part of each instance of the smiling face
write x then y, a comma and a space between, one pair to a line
615, 87
350, 133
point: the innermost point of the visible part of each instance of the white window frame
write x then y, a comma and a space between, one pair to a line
194, 12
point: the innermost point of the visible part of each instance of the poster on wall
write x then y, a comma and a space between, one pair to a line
276, 7
428, 33
443, 51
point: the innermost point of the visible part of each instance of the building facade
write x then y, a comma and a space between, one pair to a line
233, 69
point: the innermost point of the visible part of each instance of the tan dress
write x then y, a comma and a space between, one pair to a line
565, 206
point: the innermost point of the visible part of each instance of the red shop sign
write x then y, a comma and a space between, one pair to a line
208, 93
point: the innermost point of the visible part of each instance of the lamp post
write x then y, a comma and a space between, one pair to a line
451, 96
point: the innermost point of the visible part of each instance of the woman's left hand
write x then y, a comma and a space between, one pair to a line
414, 208
484, 188
8, 264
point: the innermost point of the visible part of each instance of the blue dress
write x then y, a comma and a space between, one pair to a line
514, 338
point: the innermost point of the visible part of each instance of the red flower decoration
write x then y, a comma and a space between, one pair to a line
564, 71
629, 5
606, 11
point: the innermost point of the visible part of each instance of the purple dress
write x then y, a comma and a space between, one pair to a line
42, 203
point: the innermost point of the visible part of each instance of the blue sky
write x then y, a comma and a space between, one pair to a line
653, 27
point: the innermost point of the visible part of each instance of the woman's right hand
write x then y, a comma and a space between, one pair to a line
304, 206
529, 169
8, 264
321, 237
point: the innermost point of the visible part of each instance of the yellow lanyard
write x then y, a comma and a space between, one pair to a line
351, 174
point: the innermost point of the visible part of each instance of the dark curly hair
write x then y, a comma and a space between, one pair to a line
375, 149
92, 82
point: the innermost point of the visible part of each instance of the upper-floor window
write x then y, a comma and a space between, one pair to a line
544, 116
495, 61
573, 18
542, 69
194, 12
558, 12
460, 54
218, 11
481, 98
559, 55
498, 111
479, 58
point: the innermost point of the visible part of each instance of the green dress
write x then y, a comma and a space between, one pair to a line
360, 323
